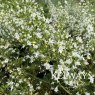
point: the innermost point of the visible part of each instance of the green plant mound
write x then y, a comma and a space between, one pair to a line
46, 49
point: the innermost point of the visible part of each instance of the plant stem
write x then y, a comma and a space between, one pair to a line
65, 89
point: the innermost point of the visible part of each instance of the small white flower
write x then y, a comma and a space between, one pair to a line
31, 87
36, 54
79, 39
88, 56
68, 61
47, 20
67, 36
28, 43
6, 60
20, 81
38, 87
33, 15
39, 35
75, 54
78, 93
89, 28
91, 79
86, 63
18, 69
31, 59
17, 36
77, 63
46, 93
27, 56
35, 46
86, 93
71, 83
17, 85
11, 84
81, 0
66, 2
56, 89
51, 41
60, 50
48, 66
13, 77
61, 61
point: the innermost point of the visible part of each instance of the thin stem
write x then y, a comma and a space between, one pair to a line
50, 83
59, 85
65, 89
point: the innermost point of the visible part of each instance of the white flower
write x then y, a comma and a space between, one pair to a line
31, 87
60, 68
56, 89
33, 15
48, 66
81, 0
79, 39
75, 54
38, 87
89, 28
18, 69
67, 36
31, 59
11, 85
39, 35
17, 36
61, 61
86, 63
66, 2
60, 43
60, 50
35, 46
28, 43
36, 54
77, 63
50, 41
88, 55
78, 93
68, 61
20, 81
47, 20
71, 83
86, 93
6, 60
91, 79
17, 84
46, 93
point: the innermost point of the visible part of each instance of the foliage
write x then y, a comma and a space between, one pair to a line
47, 48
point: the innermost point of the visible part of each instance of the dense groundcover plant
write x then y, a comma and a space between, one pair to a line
47, 49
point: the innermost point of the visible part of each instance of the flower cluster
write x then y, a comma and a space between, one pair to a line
41, 55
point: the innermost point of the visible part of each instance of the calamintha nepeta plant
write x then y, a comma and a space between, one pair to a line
46, 55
